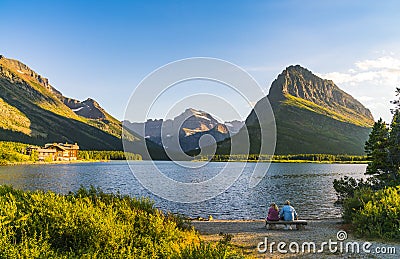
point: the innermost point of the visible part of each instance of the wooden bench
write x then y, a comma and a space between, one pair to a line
300, 224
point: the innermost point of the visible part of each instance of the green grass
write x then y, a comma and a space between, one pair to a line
342, 114
304, 131
92, 224
17, 120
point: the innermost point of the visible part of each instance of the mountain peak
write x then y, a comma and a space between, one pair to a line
194, 111
297, 82
19, 71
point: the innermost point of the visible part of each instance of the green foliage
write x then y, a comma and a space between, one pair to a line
392, 177
346, 187
377, 150
383, 151
375, 214
107, 155
48, 159
354, 203
221, 250
286, 158
11, 152
92, 224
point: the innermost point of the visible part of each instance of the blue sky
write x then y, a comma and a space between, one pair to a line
103, 49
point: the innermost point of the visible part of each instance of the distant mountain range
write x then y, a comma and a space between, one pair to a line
188, 128
312, 116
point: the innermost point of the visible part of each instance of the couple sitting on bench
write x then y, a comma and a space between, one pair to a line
287, 213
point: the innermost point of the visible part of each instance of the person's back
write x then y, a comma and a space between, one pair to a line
273, 213
288, 213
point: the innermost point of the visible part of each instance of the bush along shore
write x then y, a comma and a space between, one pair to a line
372, 206
90, 223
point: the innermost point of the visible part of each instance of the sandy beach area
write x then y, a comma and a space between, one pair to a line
247, 235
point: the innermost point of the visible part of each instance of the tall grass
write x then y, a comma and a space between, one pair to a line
93, 224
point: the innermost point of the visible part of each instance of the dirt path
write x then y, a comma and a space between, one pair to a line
247, 234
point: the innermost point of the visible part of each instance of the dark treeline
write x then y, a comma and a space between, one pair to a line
107, 155
297, 157
322, 157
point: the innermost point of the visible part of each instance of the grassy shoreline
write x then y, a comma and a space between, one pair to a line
52, 162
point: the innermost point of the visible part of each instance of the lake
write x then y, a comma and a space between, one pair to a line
308, 186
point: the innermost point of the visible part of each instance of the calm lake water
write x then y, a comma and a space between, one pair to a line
307, 186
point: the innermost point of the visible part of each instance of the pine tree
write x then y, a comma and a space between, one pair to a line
394, 149
377, 150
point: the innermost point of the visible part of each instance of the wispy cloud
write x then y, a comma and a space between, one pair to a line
383, 70
371, 81
386, 62
365, 98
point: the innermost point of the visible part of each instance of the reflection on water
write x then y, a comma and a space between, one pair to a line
307, 186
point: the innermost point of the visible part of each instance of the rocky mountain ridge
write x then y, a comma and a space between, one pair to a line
189, 127
299, 82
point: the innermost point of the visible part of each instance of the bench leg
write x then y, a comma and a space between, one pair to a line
270, 226
300, 227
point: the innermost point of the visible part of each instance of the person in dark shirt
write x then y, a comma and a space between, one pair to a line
273, 212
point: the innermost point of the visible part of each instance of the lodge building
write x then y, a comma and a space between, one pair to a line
56, 152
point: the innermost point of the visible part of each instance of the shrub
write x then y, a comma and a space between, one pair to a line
353, 204
379, 216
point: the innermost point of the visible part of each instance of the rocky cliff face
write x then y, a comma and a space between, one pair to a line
23, 72
193, 121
